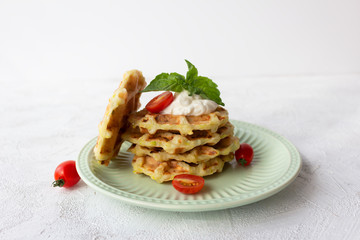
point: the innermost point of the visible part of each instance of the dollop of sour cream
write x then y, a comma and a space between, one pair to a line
184, 104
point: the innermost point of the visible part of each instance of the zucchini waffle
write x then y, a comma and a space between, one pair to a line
152, 122
198, 154
124, 101
166, 171
174, 143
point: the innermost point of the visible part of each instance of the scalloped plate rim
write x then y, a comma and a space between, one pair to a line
185, 205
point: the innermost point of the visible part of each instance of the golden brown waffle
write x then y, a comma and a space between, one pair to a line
196, 155
124, 101
174, 143
152, 122
166, 171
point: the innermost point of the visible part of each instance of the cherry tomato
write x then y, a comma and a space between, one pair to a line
160, 102
66, 175
187, 183
244, 155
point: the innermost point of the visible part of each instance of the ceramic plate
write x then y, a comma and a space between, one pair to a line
276, 164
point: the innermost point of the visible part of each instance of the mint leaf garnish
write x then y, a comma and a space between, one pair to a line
193, 83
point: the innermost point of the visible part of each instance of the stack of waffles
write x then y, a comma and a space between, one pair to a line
168, 145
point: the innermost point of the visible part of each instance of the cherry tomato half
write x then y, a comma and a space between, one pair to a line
66, 175
160, 102
188, 184
244, 155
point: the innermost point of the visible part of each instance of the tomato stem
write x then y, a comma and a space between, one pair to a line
58, 183
242, 161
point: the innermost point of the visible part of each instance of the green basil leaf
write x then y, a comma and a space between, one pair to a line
193, 83
206, 88
191, 73
166, 82
180, 80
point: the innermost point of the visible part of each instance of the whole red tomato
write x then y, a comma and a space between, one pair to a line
66, 175
244, 155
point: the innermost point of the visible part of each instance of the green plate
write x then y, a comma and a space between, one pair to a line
276, 164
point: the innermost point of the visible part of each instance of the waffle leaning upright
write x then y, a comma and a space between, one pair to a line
124, 101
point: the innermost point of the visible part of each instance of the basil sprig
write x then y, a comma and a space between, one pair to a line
193, 83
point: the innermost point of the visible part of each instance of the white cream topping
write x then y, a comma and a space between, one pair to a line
184, 104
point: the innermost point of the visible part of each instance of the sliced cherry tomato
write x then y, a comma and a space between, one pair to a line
244, 155
66, 175
188, 184
160, 102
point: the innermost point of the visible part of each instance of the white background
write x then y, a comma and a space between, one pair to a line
290, 66
99, 39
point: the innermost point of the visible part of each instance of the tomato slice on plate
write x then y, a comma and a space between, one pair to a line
187, 183
160, 102
244, 155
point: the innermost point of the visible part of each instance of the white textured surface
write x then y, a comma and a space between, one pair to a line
46, 123
61, 60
